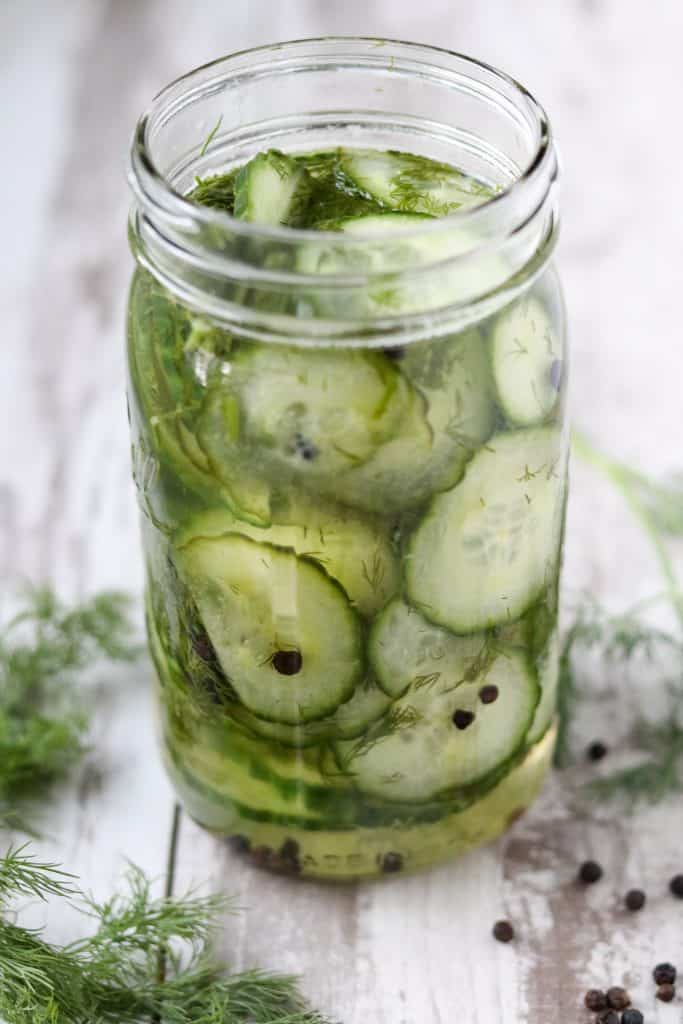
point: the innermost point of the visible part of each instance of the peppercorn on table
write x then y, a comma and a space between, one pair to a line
418, 949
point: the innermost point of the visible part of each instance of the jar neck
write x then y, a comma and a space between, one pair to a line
274, 283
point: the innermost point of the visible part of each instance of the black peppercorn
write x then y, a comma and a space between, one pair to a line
595, 1000
287, 663
608, 1017
503, 931
664, 974
289, 851
590, 872
666, 993
618, 998
596, 751
240, 844
391, 863
488, 694
632, 1017
676, 886
462, 719
634, 899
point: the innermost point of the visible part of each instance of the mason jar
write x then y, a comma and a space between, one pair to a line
350, 456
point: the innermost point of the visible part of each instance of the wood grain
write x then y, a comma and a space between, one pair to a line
411, 950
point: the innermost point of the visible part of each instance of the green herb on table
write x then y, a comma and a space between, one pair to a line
619, 639
44, 649
113, 974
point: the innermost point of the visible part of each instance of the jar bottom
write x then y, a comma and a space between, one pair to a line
309, 850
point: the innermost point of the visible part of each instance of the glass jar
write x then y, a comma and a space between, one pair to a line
350, 456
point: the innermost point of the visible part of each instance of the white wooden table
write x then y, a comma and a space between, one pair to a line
75, 74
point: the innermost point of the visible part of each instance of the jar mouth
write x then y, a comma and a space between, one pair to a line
278, 282
151, 184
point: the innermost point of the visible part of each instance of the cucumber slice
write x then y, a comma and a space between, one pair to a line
549, 677
526, 354
367, 703
487, 547
312, 413
246, 494
409, 183
406, 651
451, 415
269, 188
286, 637
444, 735
352, 551
411, 273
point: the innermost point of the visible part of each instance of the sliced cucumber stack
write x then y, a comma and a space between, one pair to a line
411, 270
283, 630
446, 735
308, 413
452, 414
404, 182
487, 547
352, 551
527, 359
367, 703
269, 188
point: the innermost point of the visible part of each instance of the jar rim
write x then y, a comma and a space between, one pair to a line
152, 186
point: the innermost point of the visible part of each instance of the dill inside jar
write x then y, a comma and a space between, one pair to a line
347, 390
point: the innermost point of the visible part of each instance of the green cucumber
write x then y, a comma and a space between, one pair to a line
283, 630
367, 703
410, 271
442, 735
488, 547
526, 355
406, 651
268, 189
353, 551
246, 494
312, 414
404, 182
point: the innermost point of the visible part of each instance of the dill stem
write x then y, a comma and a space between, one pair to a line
624, 478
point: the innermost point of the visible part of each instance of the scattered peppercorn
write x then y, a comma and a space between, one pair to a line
240, 844
676, 886
287, 663
666, 993
608, 1017
595, 1000
503, 931
634, 899
488, 694
664, 974
391, 863
289, 851
596, 751
618, 998
590, 872
632, 1017
462, 719
305, 448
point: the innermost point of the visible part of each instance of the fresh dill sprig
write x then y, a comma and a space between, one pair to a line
216, 191
43, 649
657, 506
620, 639
112, 976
